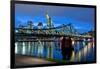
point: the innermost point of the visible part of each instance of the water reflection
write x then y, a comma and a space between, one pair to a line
83, 50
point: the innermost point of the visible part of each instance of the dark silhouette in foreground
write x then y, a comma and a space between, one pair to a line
66, 48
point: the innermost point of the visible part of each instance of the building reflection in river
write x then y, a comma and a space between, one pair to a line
83, 50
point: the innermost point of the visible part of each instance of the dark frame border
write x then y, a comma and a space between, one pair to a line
12, 39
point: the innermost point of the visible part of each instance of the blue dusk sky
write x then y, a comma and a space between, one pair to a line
81, 18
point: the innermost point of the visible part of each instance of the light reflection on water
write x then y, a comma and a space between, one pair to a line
83, 51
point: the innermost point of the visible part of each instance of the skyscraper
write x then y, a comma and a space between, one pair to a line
49, 21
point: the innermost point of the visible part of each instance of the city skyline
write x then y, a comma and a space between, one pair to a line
81, 18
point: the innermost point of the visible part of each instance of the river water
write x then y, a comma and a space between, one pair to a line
83, 50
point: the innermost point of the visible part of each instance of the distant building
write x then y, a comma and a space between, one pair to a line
49, 21
40, 25
30, 24
91, 33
